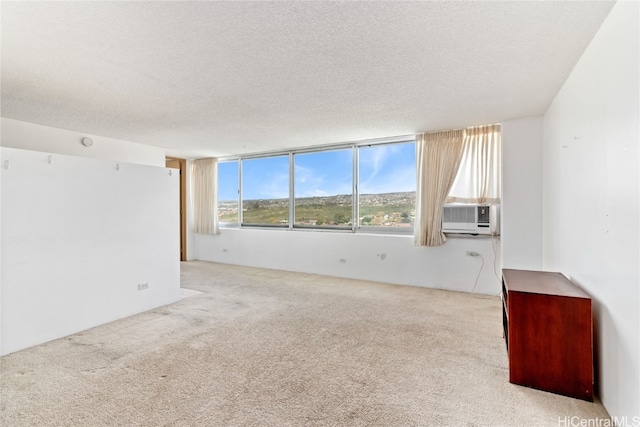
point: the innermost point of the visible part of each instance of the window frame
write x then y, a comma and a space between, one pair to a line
355, 195
380, 229
241, 223
236, 224
293, 197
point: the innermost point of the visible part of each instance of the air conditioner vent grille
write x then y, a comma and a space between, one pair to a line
459, 214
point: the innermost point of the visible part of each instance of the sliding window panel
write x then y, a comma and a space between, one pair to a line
323, 189
387, 186
265, 191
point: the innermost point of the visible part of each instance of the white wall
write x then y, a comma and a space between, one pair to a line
30, 136
385, 258
591, 198
522, 193
78, 236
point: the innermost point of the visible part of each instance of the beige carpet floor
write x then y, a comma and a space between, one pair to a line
270, 348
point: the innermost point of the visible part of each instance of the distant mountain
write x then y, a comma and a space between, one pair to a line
386, 209
381, 199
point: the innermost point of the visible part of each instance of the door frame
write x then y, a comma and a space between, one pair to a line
183, 204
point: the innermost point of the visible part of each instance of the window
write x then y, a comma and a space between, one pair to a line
387, 185
265, 191
316, 189
323, 188
228, 194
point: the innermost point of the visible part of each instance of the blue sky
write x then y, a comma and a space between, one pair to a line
383, 169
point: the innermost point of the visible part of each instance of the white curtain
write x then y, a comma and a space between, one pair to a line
478, 179
438, 157
204, 173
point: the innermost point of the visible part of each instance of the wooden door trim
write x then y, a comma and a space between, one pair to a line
183, 205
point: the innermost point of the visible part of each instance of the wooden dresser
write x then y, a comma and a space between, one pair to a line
549, 332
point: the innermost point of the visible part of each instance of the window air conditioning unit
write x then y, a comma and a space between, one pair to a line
469, 219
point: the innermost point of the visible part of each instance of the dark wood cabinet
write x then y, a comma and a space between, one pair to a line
548, 329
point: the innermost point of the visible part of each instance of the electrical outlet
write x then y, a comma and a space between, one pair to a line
343, 260
143, 286
224, 250
472, 253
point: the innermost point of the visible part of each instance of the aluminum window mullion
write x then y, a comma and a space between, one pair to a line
240, 192
355, 214
292, 201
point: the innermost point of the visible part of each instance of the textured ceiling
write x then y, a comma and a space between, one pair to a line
219, 78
